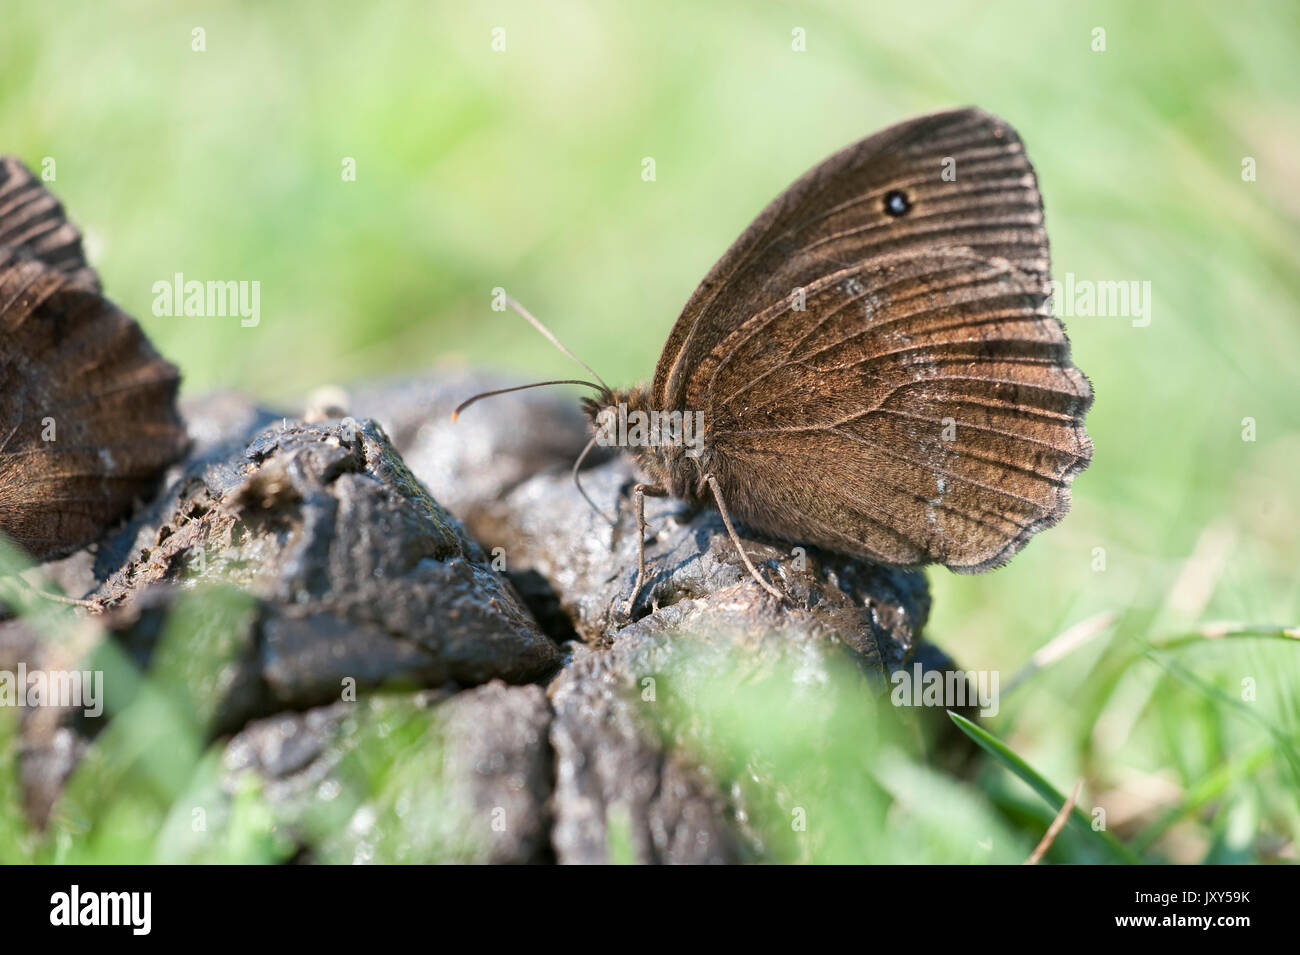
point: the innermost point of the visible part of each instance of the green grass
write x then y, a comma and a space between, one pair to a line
522, 169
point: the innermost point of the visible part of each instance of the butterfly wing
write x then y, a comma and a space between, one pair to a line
32, 221
876, 359
88, 418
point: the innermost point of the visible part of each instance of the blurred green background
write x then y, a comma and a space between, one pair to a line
522, 169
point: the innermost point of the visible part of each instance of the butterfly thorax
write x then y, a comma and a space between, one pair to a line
668, 444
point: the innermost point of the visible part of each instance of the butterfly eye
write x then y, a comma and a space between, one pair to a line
897, 203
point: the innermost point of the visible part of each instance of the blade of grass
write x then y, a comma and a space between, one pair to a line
1055, 828
1031, 777
1286, 746
15, 837
1203, 792
1220, 631
1062, 645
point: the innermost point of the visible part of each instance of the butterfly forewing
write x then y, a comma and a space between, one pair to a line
876, 359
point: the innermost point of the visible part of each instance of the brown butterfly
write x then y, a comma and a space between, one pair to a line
875, 360
88, 415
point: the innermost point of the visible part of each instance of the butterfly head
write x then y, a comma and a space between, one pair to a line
669, 445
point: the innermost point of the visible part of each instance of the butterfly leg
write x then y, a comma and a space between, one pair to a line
638, 494
726, 519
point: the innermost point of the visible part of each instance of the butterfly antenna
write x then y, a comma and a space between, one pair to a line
552, 339
537, 384
577, 466
602, 387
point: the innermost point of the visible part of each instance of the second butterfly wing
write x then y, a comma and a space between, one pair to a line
88, 418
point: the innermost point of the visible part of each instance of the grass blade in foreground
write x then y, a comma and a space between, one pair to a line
1003, 754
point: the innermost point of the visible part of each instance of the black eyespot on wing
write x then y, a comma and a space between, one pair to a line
896, 203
